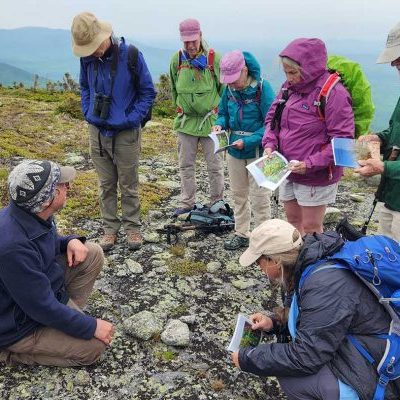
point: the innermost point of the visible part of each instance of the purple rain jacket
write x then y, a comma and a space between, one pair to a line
303, 136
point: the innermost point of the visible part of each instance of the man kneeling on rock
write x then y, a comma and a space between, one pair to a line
45, 279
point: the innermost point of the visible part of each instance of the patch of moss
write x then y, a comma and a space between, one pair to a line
166, 355
70, 105
151, 195
178, 311
178, 250
217, 385
186, 267
3, 187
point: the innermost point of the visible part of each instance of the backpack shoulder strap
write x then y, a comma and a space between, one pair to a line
179, 59
210, 60
257, 97
330, 83
133, 57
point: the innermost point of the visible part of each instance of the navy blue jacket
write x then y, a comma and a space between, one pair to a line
32, 292
128, 107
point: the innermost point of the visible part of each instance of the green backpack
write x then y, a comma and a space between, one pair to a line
356, 83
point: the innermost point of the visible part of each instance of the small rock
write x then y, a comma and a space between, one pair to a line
152, 237
213, 267
152, 124
332, 215
188, 319
74, 159
143, 325
81, 378
133, 266
176, 333
244, 284
357, 198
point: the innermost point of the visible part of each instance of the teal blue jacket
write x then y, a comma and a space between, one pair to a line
240, 110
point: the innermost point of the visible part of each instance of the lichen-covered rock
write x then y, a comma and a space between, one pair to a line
243, 284
332, 215
133, 266
176, 333
143, 325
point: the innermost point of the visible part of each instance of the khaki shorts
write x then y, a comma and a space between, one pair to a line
308, 195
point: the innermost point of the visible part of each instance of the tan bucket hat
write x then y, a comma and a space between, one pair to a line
88, 33
273, 236
392, 50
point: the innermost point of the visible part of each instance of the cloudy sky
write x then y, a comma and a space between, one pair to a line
156, 21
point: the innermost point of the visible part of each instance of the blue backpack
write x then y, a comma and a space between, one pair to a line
376, 261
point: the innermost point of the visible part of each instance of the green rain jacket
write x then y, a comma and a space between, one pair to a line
355, 81
196, 95
389, 189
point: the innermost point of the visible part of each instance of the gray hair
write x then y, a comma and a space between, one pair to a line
291, 63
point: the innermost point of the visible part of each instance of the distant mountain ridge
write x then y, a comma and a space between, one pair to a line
47, 52
10, 75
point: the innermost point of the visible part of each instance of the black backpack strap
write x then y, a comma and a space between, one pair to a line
276, 119
133, 56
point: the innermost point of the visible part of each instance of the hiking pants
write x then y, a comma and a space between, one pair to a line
120, 169
187, 152
48, 346
321, 386
389, 223
245, 191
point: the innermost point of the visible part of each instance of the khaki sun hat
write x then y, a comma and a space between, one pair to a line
392, 50
88, 33
271, 237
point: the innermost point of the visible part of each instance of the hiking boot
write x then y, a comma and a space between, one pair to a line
134, 239
236, 242
180, 211
107, 241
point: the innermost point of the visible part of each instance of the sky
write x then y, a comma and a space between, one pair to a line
259, 21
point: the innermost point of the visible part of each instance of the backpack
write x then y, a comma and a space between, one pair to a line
133, 56
217, 217
356, 83
241, 103
210, 61
376, 262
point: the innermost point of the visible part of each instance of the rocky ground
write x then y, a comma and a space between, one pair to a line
174, 306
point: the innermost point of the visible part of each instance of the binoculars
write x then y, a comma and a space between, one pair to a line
101, 106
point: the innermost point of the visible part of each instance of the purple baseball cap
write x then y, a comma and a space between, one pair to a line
231, 66
189, 30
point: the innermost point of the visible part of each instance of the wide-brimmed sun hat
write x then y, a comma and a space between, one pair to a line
88, 33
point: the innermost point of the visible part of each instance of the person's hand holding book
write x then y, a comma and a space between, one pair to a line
261, 322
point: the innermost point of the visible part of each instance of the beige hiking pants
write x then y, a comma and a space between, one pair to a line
121, 170
245, 191
48, 346
389, 223
187, 152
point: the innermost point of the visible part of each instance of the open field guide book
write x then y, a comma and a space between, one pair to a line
244, 336
221, 141
271, 171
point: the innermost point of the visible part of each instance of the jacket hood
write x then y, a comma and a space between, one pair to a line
316, 247
253, 65
311, 55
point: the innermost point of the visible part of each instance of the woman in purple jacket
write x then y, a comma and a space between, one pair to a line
295, 129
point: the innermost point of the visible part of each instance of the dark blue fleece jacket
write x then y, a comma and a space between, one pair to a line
32, 292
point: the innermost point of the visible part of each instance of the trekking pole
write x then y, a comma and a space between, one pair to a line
366, 223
